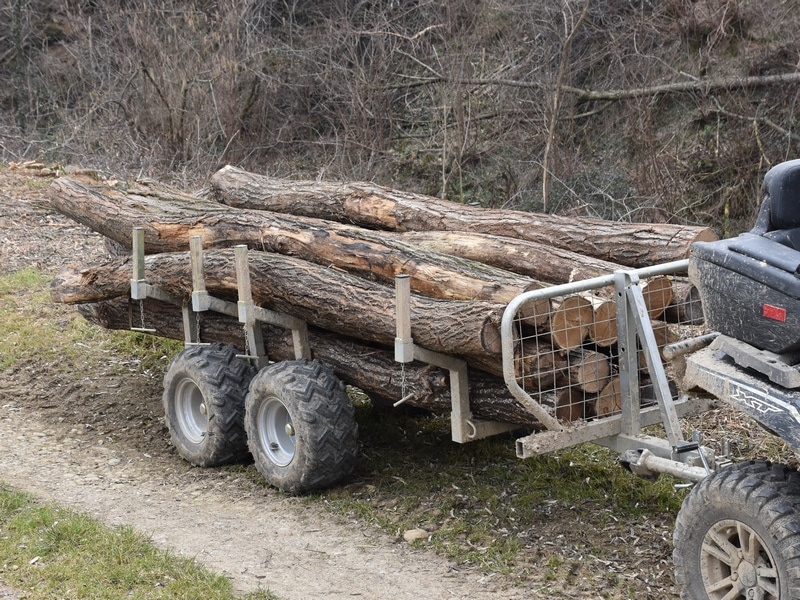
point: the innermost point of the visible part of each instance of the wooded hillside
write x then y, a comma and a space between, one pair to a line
622, 109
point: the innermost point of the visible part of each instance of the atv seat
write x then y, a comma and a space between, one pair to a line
779, 216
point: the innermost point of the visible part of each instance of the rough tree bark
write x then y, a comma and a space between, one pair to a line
327, 298
371, 369
377, 207
542, 262
170, 218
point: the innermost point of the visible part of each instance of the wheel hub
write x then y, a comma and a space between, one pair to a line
191, 411
276, 433
747, 574
735, 560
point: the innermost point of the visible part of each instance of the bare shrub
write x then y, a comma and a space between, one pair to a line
474, 100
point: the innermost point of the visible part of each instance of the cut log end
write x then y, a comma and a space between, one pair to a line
658, 294
570, 322
588, 370
705, 234
686, 307
570, 405
603, 330
537, 366
609, 400
535, 312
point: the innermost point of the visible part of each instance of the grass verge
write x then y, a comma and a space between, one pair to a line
33, 328
49, 552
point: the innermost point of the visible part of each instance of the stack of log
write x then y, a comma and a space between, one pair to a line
328, 253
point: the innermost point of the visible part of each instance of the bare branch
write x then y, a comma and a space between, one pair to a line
408, 38
701, 85
551, 129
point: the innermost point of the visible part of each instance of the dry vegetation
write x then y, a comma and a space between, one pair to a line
628, 109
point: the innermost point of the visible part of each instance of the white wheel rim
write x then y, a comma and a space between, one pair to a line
736, 563
191, 411
276, 431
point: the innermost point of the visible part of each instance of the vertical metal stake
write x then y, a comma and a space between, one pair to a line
254, 338
403, 343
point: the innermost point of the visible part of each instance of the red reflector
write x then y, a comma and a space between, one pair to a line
776, 313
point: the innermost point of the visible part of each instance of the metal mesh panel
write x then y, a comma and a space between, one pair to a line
567, 347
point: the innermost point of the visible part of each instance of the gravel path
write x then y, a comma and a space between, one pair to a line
255, 536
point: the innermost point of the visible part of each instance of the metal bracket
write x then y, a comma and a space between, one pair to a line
141, 290
245, 310
633, 311
463, 426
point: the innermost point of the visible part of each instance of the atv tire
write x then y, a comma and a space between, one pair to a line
301, 426
738, 535
204, 397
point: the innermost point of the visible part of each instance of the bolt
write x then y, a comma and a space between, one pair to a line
203, 409
289, 429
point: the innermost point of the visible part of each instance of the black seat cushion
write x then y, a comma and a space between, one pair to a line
782, 186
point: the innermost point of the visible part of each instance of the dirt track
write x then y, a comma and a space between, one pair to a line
254, 536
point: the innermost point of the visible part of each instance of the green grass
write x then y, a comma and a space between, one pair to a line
49, 552
33, 328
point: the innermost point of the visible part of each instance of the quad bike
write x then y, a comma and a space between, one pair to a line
738, 533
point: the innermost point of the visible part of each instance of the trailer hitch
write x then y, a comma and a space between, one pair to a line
647, 465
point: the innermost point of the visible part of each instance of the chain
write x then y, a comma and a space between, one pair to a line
402, 380
197, 326
141, 312
246, 341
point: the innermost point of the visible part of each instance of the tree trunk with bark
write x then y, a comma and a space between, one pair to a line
169, 219
370, 368
377, 207
544, 262
326, 298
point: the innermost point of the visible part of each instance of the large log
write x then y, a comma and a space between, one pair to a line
378, 207
367, 367
170, 218
326, 298
545, 262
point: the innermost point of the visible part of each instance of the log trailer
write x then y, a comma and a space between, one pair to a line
738, 532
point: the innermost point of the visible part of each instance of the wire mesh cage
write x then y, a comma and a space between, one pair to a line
568, 345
